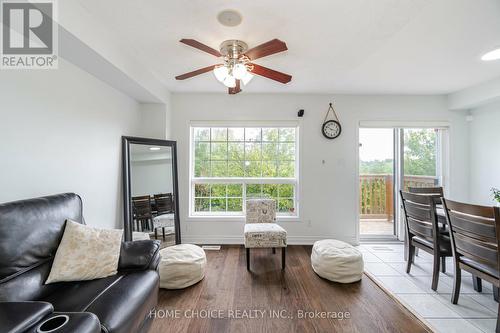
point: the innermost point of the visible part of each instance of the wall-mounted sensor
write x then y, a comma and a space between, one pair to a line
300, 113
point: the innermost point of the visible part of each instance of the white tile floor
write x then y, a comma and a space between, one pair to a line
475, 312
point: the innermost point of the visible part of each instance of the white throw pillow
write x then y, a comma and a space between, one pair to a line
86, 253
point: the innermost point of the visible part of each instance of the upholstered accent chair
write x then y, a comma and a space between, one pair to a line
261, 231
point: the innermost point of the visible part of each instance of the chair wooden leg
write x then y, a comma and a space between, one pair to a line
435, 272
495, 293
411, 255
283, 257
248, 258
274, 250
416, 254
498, 320
456, 284
443, 264
156, 233
478, 285
163, 231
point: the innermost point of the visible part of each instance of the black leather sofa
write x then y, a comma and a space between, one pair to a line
30, 232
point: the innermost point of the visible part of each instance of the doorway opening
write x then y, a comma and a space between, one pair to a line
391, 159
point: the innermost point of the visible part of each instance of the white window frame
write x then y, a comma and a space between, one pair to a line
240, 216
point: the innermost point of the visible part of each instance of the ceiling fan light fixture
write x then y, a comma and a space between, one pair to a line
221, 73
239, 71
246, 78
229, 81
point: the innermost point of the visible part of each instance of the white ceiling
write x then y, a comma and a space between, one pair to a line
335, 46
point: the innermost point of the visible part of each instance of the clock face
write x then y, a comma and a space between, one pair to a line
331, 129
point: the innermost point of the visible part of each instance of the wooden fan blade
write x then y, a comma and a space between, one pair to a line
194, 73
268, 48
270, 73
201, 46
236, 89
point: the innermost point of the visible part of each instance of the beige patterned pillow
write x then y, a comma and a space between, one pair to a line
86, 253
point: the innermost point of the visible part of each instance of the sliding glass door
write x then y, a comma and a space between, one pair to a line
391, 159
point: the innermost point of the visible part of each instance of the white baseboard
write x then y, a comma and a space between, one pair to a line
238, 240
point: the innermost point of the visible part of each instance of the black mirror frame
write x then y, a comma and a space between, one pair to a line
127, 199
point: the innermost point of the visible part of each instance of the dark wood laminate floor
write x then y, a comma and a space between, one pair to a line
229, 287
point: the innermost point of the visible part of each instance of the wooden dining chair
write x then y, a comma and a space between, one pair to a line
475, 240
141, 206
423, 231
164, 203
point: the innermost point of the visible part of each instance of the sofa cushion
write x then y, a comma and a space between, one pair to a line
86, 253
125, 306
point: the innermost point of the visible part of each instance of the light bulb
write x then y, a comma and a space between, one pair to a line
245, 79
230, 81
239, 71
221, 72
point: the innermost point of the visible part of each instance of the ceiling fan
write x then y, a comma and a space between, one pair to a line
238, 67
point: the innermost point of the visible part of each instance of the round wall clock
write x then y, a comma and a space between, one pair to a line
331, 128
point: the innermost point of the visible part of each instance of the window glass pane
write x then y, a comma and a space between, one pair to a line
286, 206
286, 169
234, 205
235, 190
254, 190
287, 134
219, 134
252, 134
253, 151
219, 168
235, 134
286, 191
201, 134
287, 151
219, 151
269, 169
218, 205
218, 190
270, 134
201, 205
270, 191
236, 151
201, 190
202, 168
253, 169
269, 151
235, 169
202, 151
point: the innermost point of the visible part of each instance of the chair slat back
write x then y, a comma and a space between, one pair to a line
419, 213
474, 231
142, 207
164, 203
426, 190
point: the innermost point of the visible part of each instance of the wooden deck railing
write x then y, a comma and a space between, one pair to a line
376, 193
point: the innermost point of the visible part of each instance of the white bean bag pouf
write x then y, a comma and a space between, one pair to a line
181, 266
337, 261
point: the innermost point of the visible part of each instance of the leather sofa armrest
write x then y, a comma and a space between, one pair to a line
17, 317
139, 255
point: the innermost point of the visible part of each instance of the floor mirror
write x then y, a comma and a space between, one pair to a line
150, 190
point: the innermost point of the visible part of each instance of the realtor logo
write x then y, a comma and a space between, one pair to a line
29, 35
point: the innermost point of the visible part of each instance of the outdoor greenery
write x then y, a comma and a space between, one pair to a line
419, 156
232, 153
496, 194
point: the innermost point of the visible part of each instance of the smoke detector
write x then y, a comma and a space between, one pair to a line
229, 18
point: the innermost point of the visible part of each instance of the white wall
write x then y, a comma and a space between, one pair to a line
484, 153
149, 177
60, 131
328, 192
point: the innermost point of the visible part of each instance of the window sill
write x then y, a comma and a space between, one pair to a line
222, 218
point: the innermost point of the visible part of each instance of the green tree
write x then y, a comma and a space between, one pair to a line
420, 152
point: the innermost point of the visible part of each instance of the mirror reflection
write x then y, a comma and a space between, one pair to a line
152, 193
